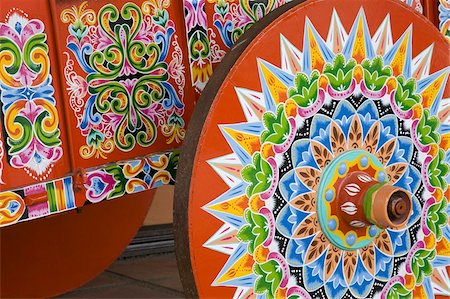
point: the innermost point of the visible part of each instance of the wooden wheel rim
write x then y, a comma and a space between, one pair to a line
205, 142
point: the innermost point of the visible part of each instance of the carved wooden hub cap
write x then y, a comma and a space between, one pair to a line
362, 200
357, 200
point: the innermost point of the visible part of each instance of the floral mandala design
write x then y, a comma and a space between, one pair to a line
365, 105
123, 94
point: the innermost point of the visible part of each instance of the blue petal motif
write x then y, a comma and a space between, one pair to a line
403, 151
400, 241
296, 251
336, 286
416, 211
172, 98
389, 129
225, 31
368, 115
301, 154
320, 130
362, 280
81, 54
313, 273
343, 115
163, 39
383, 265
410, 180
428, 287
88, 115
441, 261
289, 219
446, 230
291, 186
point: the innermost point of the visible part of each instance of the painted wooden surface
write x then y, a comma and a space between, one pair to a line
328, 87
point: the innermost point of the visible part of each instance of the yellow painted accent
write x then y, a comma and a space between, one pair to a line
281, 293
358, 73
277, 89
443, 247
359, 48
417, 111
391, 85
430, 93
399, 60
317, 60
260, 254
256, 203
437, 194
250, 143
430, 241
419, 292
291, 108
323, 81
267, 150
410, 281
242, 267
235, 206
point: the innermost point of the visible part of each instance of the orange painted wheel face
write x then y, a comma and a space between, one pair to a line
328, 88
51, 256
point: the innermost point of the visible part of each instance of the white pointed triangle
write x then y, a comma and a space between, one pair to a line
291, 57
421, 63
228, 168
382, 39
252, 103
224, 240
336, 35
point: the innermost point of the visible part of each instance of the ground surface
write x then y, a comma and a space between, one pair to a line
154, 276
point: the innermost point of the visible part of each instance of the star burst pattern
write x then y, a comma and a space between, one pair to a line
349, 92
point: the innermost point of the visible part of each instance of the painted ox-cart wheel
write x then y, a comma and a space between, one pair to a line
317, 160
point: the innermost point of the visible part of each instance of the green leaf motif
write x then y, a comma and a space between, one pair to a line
161, 17
95, 138
421, 264
50, 139
306, 90
255, 232
269, 278
258, 175
437, 218
438, 171
121, 181
278, 127
405, 96
398, 291
18, 144
7, 45
172, 165
427, 129
375, 73
340, 73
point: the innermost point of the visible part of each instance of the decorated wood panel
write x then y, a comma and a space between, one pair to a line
213, 27
124, 70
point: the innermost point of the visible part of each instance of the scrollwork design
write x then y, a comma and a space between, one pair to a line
30, 117
125, 94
